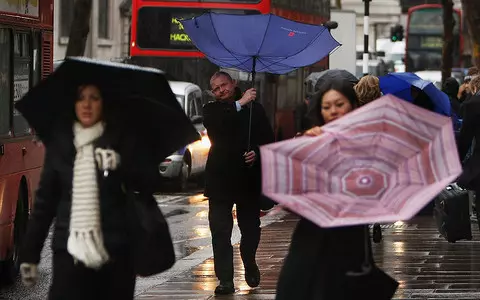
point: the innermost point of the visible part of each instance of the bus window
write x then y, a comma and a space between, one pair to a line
21, 79
5, 53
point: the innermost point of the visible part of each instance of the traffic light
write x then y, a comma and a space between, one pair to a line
396, 33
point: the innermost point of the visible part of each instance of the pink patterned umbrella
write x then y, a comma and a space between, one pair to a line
380, 163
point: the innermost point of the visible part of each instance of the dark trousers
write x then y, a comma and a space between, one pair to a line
115, 280
221, 225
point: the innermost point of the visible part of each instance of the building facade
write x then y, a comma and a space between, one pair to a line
109, 25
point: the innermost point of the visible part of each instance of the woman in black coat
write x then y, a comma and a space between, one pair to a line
319, 258
89, 164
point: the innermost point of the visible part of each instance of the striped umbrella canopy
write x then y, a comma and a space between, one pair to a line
380, 163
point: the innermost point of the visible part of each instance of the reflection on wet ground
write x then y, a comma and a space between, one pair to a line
426, 266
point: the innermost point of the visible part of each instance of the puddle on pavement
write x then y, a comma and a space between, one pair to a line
176, 212
182, 250
196, 199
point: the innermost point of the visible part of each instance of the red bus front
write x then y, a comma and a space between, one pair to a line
158, 40
424, 38
26, 47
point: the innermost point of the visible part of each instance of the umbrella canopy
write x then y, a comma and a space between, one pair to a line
382, 163
319, 78
259, 43
399, 84
133, 96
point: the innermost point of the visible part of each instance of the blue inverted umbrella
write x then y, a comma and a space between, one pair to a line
259, 43
399, 84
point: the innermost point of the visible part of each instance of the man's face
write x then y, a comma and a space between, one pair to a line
223, 88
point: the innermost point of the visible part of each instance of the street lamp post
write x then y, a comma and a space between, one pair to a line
366, 25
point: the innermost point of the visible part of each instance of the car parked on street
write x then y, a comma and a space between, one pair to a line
189, 161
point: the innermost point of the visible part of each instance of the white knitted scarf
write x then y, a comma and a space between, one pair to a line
85, 242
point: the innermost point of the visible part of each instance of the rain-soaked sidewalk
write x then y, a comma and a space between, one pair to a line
426, 266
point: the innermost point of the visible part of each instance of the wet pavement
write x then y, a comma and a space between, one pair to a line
426, 266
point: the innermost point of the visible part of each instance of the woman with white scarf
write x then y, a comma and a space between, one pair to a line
83, 184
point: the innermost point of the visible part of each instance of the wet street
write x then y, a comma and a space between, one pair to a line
426, 266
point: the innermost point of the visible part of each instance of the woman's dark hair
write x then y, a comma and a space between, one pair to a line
315, 106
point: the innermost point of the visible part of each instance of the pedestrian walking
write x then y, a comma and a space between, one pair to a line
465, 92
233, 176
368, 89
319, 258
86, 168
469, 153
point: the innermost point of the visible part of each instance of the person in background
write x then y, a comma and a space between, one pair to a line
233, 176
464, 92
302, 122
368, 89
451, 88
467, 150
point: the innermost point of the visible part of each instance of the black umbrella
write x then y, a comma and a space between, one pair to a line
137, 97
319, 78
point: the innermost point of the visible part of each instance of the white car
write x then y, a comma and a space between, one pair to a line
190, 160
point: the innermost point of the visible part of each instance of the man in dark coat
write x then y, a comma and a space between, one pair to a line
233, 176
469, 134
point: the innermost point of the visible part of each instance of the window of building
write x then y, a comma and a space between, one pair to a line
5, 79
103, 19
66, 17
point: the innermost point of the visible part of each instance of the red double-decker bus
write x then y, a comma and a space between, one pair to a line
424, 38
158, 40
26, 56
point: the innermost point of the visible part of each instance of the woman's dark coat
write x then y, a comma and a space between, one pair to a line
318, 260
470, 177
54, 195
227, 174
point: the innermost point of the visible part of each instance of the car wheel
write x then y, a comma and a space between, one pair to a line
9, 270
184, 176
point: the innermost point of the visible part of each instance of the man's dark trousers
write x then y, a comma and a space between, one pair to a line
221, 226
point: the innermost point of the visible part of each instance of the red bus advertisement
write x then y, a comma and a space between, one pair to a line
424, 38
158, 40
26, 56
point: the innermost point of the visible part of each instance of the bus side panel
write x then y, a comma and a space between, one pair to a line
21, 159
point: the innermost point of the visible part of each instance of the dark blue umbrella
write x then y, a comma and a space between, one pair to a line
400, 84
259, 43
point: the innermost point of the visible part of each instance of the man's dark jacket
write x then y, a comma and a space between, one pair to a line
227, 174
470, 177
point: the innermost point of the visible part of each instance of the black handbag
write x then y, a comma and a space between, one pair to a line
152, 244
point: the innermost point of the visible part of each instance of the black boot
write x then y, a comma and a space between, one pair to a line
225, 288
252, 275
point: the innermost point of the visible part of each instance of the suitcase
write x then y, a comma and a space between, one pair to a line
452, 214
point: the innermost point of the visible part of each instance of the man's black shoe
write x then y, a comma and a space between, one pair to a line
252, 275
225, 288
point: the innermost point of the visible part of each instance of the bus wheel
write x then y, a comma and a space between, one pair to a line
12, 265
